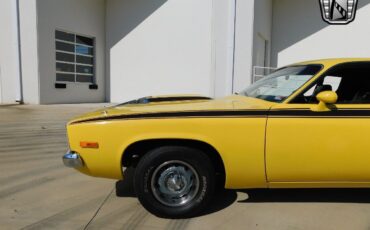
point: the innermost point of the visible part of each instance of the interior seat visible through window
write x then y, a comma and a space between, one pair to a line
351, 81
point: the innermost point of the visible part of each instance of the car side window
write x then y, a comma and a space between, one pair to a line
332, 83
351, 81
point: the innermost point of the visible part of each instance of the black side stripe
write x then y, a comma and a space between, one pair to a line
185, 114
291, 113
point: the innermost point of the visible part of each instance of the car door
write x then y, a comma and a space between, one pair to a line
307, 148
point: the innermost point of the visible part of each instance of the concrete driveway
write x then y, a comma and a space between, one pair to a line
38, 192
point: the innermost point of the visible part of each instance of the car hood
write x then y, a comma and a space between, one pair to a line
159, 106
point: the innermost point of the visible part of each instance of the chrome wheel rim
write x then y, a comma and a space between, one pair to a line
175, 183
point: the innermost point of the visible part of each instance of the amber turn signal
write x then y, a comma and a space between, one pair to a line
91, 145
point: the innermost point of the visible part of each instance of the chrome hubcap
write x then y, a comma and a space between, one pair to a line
175, 183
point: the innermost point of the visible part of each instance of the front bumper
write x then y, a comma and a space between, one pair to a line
73, 160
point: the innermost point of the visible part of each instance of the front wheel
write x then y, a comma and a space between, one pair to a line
174, 182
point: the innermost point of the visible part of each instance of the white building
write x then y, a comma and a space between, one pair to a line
75, 51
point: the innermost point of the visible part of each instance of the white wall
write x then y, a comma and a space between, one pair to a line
233, 25
299, 33
29, 51
8, 52
85, 17
243, 44
223, 50
262, 31
159, 47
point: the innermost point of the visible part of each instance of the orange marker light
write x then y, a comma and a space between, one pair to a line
91, 145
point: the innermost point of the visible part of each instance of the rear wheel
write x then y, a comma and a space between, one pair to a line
174, 182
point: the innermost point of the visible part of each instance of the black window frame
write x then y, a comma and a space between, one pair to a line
87, 60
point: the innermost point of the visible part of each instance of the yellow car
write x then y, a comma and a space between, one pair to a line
306, 125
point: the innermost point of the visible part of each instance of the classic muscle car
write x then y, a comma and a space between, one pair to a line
306, 125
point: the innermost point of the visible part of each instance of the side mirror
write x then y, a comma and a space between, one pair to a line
325, 99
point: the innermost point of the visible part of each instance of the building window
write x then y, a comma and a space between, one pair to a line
75, 57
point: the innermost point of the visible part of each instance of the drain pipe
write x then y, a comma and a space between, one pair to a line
231, 44
17, 32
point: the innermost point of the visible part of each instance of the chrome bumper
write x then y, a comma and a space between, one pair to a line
72, 160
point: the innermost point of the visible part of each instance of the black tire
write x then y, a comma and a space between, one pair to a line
147, 187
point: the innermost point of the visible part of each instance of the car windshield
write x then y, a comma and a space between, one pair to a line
282, 83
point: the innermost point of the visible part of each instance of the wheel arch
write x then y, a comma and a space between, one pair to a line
132, 154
